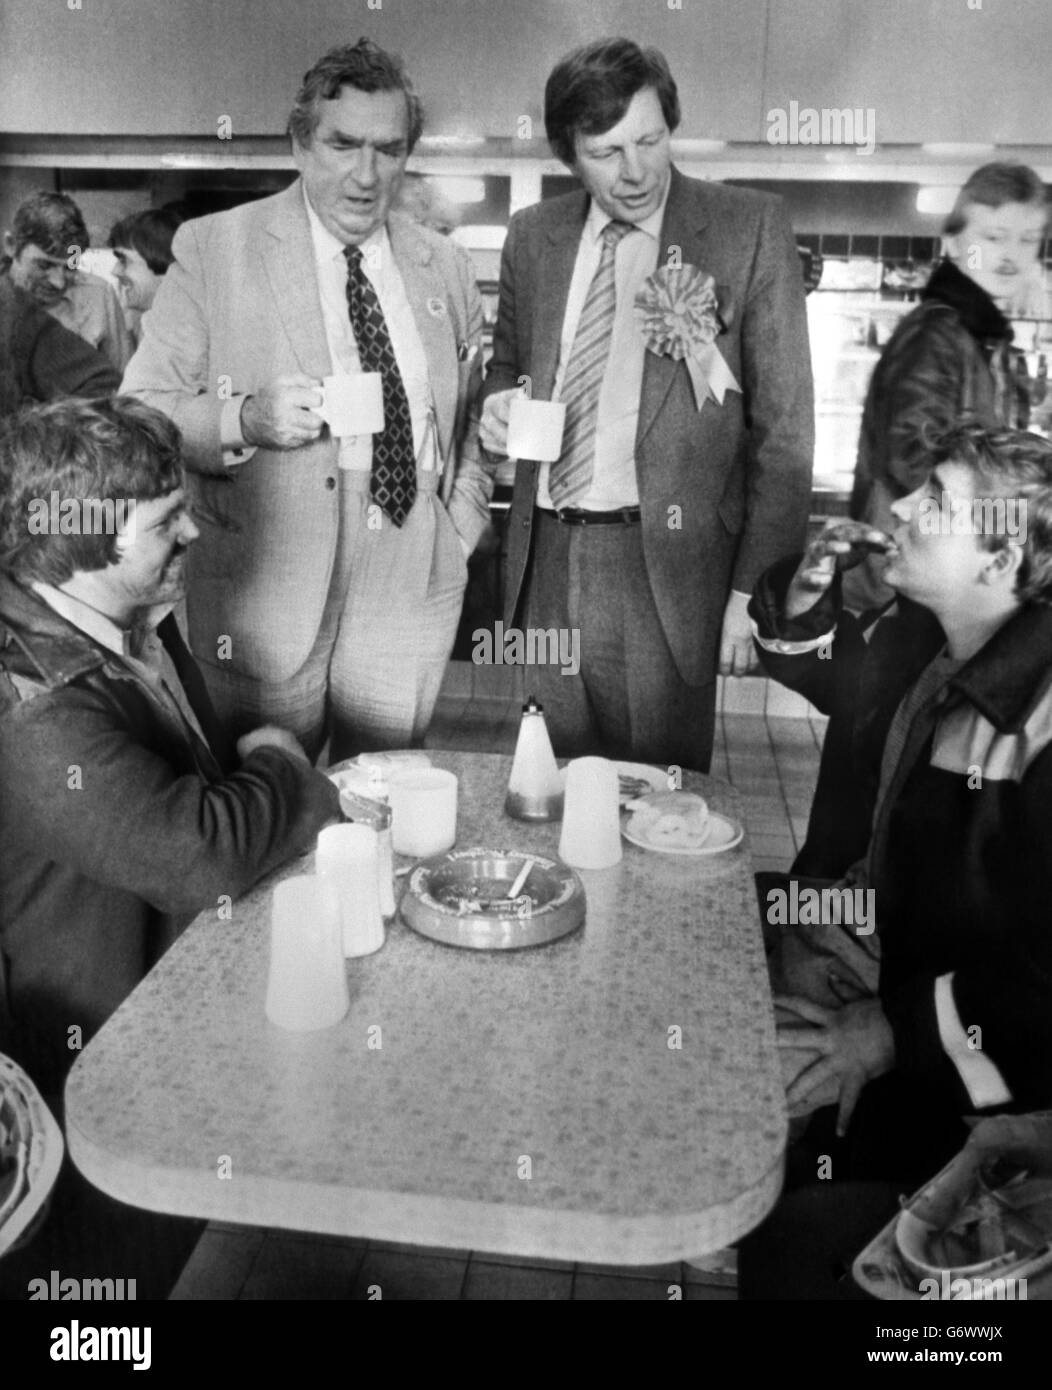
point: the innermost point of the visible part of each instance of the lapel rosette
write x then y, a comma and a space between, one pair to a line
678, 313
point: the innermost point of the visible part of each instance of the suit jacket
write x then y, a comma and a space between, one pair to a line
739, 472
239, 307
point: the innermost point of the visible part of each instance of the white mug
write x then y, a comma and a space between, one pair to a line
353, 403
535, 429
423, 811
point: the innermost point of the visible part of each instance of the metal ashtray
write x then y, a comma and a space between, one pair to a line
460, 898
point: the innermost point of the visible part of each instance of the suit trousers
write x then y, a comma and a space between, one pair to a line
373, 675
628, 700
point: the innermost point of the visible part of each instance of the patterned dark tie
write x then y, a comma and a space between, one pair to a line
571, 477
393, 481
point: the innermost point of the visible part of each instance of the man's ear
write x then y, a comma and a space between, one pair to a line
9, 245
1003, 564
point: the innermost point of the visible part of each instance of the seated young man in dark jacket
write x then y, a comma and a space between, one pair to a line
899, 643
122, 812
960, 852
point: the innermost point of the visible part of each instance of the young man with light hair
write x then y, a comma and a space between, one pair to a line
960, 852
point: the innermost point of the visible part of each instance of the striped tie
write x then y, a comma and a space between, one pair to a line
571, 477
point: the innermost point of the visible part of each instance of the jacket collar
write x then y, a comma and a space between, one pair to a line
57, 651
1005, 679
977, 311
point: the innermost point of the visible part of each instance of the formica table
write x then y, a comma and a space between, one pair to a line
612, 1097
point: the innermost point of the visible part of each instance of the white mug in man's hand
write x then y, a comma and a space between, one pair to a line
352, 403
535, 429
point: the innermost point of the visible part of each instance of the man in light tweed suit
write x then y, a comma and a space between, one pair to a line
327, 584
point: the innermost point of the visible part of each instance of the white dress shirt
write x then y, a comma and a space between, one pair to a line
380, 269
614, 475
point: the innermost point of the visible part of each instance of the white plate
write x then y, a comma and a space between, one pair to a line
655, 778
724, 833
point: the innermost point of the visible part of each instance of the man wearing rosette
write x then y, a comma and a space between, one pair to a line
668, 314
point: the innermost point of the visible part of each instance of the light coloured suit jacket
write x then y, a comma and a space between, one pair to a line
738, 473
239, 307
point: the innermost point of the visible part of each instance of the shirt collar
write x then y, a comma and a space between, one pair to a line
122, 642
1009, 674
597, 219
327, 247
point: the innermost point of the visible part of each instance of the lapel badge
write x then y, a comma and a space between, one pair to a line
436, 308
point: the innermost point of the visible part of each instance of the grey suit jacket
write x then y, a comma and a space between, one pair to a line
239, 307
739, 472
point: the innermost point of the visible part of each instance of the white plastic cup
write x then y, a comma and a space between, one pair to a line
353, 403
423, 811
591, 833
347, 857
535, 429
307, 984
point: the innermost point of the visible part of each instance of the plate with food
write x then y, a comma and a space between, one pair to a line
493, 899
679, 822
635, 780
638, 779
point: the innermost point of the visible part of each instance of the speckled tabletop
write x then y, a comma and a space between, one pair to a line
525, 1102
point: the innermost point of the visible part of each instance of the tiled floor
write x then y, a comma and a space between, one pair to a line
767, 745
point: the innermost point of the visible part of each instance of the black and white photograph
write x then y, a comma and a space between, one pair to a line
526, 666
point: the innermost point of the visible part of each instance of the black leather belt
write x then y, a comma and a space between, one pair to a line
577, 516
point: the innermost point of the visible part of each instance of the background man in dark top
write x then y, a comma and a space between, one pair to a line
43, 248
40, 360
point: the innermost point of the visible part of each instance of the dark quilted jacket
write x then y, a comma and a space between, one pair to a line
948, 356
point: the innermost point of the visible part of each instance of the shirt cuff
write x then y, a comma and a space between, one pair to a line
784, 648
983, 1082
235, 450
